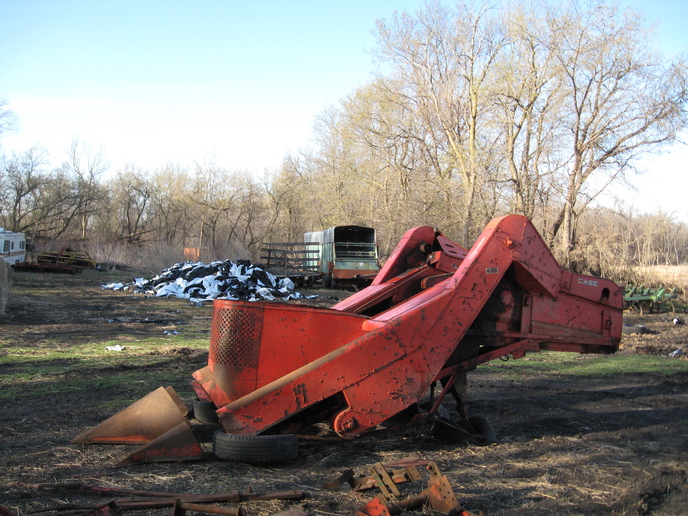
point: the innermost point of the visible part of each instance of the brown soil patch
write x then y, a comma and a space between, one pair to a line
565, 444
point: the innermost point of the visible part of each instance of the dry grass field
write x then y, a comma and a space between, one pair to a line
670, 275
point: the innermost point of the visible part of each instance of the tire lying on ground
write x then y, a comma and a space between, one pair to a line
255, 449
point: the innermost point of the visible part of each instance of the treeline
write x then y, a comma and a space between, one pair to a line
236, 212
472, 113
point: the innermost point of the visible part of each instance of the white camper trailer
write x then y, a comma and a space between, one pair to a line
12, 246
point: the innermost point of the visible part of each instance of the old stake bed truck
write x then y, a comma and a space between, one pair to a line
342, 255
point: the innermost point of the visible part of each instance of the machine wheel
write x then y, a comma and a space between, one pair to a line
484, 429
646, 307
204, 411
255, 449
455, 433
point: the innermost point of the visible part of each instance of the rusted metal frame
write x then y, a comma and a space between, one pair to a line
114, 506
75, 507
446, 386
398, 476
581, 339
76, 486
378, 507
406, 347
439, 494
404, 470
407, 254
232, 497
347, 477
380, 293
334, 363
180, 509
433, 495
517, 349
167, 499
384, 482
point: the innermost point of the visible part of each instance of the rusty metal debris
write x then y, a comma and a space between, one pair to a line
66, 261
179, 502
438, 493
347, 477
180, 509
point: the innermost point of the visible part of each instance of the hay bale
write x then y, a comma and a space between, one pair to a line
5, 272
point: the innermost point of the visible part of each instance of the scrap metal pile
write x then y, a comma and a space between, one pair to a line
64, 261
227, 279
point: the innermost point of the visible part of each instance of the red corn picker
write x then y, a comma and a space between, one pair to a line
434, 312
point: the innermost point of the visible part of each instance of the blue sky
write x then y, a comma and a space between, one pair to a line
234, 82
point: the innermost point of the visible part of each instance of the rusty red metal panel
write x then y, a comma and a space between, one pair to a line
396, 354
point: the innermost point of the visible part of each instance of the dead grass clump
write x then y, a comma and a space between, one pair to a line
668, 275
175, 351
148, 257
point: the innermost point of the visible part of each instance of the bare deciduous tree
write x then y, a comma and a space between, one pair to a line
84, 167
7, 118
621, 100
20, 184
442, 62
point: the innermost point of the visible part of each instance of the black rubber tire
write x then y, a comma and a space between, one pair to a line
455, 433
449, 431
255, 449
484, 429
204, 411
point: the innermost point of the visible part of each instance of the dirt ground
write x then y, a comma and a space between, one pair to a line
565, 444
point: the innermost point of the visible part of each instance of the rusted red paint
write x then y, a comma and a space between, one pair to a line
435, 308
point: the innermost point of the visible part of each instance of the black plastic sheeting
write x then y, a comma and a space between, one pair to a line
198, 281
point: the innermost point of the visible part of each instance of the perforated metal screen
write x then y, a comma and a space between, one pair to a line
235, 337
